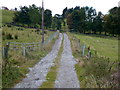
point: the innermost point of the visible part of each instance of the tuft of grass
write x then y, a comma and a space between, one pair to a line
52, 74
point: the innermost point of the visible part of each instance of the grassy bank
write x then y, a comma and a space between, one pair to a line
97, 71
15, 67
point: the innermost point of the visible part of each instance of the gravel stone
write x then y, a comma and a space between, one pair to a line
67, 77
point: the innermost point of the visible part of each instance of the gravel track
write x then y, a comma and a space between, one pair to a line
37, 74
67, 77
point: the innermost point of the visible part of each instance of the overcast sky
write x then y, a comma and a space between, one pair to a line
57, 6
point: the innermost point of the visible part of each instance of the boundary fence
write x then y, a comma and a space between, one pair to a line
25, 47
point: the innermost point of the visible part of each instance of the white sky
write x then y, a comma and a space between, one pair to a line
57, 6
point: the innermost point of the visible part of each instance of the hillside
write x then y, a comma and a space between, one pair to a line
7, 16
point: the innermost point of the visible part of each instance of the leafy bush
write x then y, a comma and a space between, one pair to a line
98, 69
9, 25
3, 33
37, 26
10, 74
16, 36
45, 32
21, 28
9, 36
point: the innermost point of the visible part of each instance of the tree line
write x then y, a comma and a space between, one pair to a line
32, 17
78, 19
87, 20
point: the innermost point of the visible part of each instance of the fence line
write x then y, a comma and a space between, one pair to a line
25, 46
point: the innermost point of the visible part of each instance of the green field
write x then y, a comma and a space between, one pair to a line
105, 46
24, 35
7, 16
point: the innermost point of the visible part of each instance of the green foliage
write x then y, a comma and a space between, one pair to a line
87, 20
64, 13
9, 36
32, 16
96, 72
48, 18
111, 24
9, 74
79, 17
16, 36
22, 16
57, 21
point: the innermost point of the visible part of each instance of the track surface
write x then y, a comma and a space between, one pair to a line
67, 77
37, 74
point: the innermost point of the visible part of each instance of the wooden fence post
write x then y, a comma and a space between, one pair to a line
24, 50
78, 43
83, 50
3, 51
6, 50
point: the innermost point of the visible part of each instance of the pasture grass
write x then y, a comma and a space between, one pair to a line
25, 35
105, 46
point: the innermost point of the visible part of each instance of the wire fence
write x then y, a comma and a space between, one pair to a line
82, 48
25, 47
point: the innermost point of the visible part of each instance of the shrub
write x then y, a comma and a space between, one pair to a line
16, 36
9, 36
3, 33
37, 26
99, 69
8, 25
3, 38
45, 32
10, 74
20, 28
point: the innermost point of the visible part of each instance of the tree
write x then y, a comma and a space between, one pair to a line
48, 18
15, 9
98, 23
56, 22
111, 21
70, 22
34, 15
64, 12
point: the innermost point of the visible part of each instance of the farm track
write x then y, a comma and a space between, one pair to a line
37, 74
67, 77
